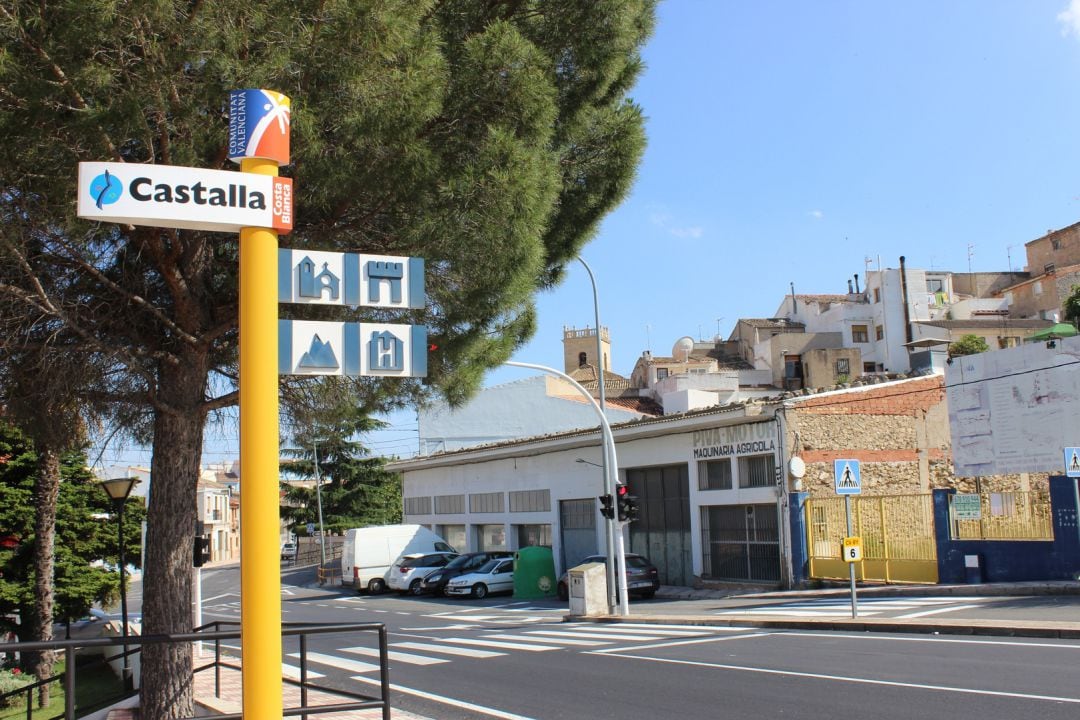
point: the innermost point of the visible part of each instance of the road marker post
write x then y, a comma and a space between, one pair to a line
848, 482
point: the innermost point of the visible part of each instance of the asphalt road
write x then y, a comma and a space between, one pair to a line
500, 658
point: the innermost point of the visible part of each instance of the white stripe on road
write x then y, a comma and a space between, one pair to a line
503, 645
677, 643
448, 650
337, 662
291, 671
447, 701
561, 641
399, 656
856, 680
701, 628
893, 638
799, 613
564, 634
936, 611
651, 630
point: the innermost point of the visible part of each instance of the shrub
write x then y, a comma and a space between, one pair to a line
11, 680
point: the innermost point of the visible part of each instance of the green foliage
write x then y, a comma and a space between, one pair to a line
968, 345
86, 531
1071, 306
11, 680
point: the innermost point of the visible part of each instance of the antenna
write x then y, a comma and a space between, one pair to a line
971, 254
1008, 255
648, 339
718, 321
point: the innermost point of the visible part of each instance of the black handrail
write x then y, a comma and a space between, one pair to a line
359, 701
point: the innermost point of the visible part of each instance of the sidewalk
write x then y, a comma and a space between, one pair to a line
231, 699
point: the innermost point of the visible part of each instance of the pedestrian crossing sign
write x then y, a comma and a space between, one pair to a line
847, 477
1072, 462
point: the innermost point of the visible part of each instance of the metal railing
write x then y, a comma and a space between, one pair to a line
356, 701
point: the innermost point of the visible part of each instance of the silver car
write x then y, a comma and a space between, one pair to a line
491, 577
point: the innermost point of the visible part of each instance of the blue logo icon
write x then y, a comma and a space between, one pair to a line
106, 189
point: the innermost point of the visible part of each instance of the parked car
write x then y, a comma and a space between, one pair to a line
642, 578
466, 563
288, 550
407, 574
491, 577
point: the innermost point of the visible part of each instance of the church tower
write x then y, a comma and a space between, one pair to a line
579, 349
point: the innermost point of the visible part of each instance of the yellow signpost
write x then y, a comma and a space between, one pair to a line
258, 138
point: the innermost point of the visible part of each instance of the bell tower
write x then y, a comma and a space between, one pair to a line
579, 348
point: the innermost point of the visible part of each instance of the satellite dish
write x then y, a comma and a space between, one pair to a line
796, 467
682, 348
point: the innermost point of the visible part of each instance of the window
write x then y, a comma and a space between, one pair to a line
879, 332
1037, 287
843, 366
1005, 341
533, 535
934, 285
490, 537
1055, 243
860, 334
530, 500
877, 295
661, 373
486, 502
714, 475
757, 471
418, 506
868, 367
1048, 268
582, 359
449, 504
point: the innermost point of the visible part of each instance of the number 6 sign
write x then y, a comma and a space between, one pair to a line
852, 549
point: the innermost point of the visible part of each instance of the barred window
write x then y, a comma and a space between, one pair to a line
486, 502
714, 475
757, 471
418, 506
530, 500
449, 504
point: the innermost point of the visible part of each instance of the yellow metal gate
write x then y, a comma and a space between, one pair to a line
897, 534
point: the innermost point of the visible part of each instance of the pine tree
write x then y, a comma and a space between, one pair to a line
489, 138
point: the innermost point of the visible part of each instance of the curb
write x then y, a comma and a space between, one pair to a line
1015, 628
1053, 587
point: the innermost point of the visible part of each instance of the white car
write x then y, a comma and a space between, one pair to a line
491, 577
407, 574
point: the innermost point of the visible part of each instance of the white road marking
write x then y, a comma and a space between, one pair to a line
500, 644
964, 641
561, 641
338, 662
293, 672
937, 611
650, 630
399, 656
448, 649
447, 701
676, 643
856, 680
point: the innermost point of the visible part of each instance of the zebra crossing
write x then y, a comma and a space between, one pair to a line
432, 650
900, 608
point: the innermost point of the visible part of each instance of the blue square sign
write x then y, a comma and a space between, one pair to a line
1072, 462
847, 477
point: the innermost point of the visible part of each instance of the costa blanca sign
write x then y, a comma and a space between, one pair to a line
184, 197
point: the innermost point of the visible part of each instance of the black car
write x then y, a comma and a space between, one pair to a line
642, 578
469, 562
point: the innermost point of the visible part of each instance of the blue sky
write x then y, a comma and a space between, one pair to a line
791, 141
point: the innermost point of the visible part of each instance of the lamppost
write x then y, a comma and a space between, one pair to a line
118, 490
318, 498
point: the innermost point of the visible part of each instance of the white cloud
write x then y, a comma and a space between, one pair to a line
817, 214
687, 232
1070, 19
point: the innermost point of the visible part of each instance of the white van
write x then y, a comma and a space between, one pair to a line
369, 552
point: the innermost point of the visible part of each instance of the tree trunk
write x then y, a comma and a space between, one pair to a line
46, 491
166, 690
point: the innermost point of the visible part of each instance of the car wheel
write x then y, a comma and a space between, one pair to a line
375, 586
479, 591
563, 591
415, 589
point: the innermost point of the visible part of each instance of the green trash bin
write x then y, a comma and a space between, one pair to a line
534, 573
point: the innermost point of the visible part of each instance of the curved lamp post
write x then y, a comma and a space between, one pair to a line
610, 471
118, 490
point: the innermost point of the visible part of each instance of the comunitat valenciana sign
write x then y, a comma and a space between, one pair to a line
184, 197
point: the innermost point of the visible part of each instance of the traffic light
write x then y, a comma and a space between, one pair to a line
628, 509
201, 553
607, 508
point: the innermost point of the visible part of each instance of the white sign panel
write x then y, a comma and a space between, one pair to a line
183, 197
1013, 410
308, 347
329, 278
967, 506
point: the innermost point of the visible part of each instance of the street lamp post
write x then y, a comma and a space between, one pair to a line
318, 498
607, 440
118, 490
